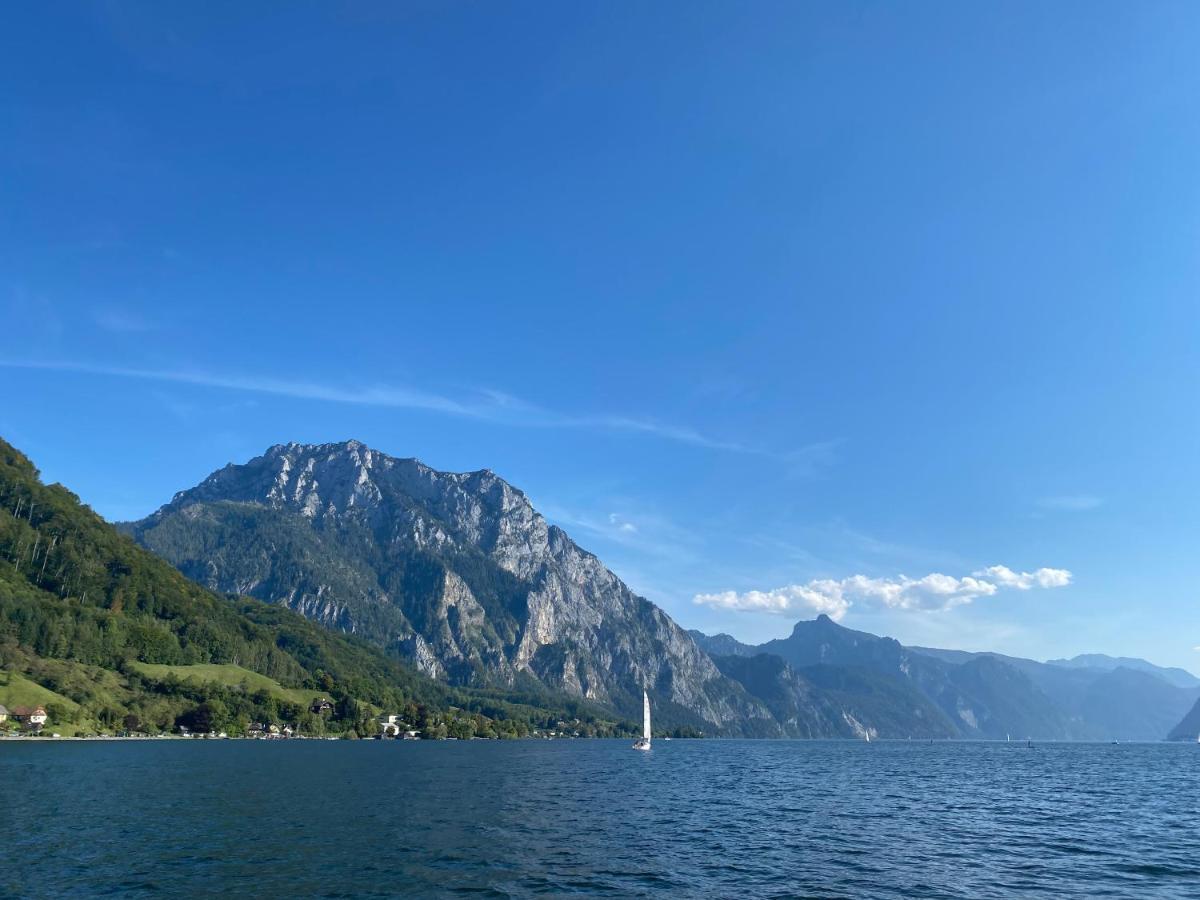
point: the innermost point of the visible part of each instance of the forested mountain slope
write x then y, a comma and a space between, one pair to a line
84, 610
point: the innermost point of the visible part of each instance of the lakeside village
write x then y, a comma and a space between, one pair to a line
24, 722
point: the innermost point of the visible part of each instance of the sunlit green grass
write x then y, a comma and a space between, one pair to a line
229, 675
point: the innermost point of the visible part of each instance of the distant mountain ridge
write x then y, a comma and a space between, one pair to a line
989, 695
722, 644
1188, 728
983, 698
1176, 676
1125, 698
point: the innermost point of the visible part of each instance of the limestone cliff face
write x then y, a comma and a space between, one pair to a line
457, 572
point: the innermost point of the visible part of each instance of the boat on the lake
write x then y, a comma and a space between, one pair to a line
643, 743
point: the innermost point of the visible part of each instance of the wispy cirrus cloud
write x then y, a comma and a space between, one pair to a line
538, 416
630, 536
486, 405
646, 532
933, 592
300, 390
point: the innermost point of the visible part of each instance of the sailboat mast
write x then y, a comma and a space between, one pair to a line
645, 715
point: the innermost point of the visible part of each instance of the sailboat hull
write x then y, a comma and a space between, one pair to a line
641, 744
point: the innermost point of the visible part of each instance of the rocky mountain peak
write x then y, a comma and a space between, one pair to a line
456, 571
349, 478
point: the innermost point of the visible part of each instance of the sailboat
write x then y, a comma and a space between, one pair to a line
643, 743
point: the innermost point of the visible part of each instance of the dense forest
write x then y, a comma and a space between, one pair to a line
111, 638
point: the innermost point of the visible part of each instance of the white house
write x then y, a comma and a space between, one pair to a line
31, 716
392, 725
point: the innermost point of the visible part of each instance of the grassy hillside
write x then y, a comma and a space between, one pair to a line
65, 688
17, 690
129, 641
229, 675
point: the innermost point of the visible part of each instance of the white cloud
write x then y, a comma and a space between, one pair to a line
821, 597
1023, 581
1070, 502
621, 524
835, 597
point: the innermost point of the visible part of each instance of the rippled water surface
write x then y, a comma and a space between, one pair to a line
691, 818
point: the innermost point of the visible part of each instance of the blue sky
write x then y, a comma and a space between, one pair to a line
787, 306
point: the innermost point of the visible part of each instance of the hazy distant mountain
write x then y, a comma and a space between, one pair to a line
722, 644
1176, 676
456, 572
837, 701
983, 697
979, 694
1188, 728
1102, 703
956, 657
1130, 705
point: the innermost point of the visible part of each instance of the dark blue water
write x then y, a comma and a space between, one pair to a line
691, 818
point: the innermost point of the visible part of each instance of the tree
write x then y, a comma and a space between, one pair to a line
59, 714
211, 715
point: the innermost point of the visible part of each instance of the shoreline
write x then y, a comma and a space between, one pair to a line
182, 738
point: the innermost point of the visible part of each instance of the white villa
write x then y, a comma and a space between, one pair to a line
30, 716
393, 726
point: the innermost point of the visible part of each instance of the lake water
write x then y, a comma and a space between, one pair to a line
691, 818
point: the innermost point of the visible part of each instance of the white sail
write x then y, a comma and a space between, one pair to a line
643, 743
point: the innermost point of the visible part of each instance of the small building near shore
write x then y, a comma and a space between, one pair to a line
3, 713
392, 726
320, 706
30, 716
